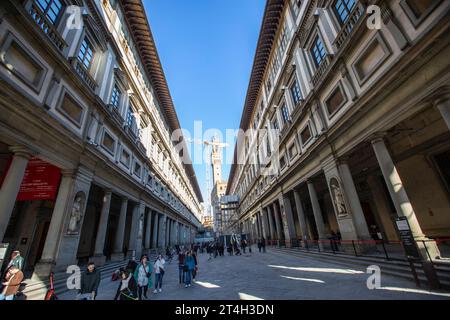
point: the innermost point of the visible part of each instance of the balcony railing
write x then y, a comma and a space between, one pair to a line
321, 70
346, 30
47, 26
83, 73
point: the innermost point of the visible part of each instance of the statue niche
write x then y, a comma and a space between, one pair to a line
76, 214
338, 198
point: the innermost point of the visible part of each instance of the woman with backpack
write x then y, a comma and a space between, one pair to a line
127, 289
143, 277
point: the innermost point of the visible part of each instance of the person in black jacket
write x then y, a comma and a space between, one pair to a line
127, 289
90, 281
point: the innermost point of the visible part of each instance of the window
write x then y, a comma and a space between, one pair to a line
109, 143
275, 123
296, 4
419, 7
71, 109
137, 169
115, 96
269, 151
305, 135
285, 113
335, 101
292, 151
418, 10
125, 158
86, 53
51, 9
318, 51
343, 9
131, 120
295, 91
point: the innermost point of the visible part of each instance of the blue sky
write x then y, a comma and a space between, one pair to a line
206, 48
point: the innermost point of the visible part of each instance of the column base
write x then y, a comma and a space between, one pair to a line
117, 256
131, 254
99, 260
42, 270
428, 249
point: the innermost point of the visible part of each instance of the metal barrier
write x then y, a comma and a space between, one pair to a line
390, 250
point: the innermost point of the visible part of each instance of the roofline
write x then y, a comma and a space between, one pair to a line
138, 24
269, 27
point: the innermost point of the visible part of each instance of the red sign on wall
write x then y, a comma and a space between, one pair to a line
40, 182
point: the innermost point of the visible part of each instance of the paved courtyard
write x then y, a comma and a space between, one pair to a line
274, 275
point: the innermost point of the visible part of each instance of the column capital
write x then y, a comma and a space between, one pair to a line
442, 97
107, 191
22, 151
378, 137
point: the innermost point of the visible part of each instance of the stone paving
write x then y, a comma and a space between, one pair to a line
274, 275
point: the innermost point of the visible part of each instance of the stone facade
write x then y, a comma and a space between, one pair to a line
359, 123
78, 93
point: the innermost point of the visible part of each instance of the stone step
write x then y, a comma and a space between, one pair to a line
391, 267
36, 290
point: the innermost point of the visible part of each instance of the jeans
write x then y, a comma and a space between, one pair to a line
158, 280
187, 277
3, 297
144, 289
180, 273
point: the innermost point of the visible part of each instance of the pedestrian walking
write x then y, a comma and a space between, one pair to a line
11, 286
127, 289
159, 273
90, 281
229, 250
263, 244
181, 257
189, 265
194, 272
16, 260
243, 244
259, 244
143, 277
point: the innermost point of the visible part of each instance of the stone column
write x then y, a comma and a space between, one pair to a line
301, 215
317, 211
162, 233
400, 198
11, 186
355, 205
120, 234
140, 229
99, 258
155, 230
168, 231
443, 105
177, 232
287, 219
265, 223
382, 207
258, 225
148, 229
273, 232
48, 257
278, 223
133, 233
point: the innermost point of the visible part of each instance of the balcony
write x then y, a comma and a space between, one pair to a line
321, 70
353, 19
47, 26
83, 73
